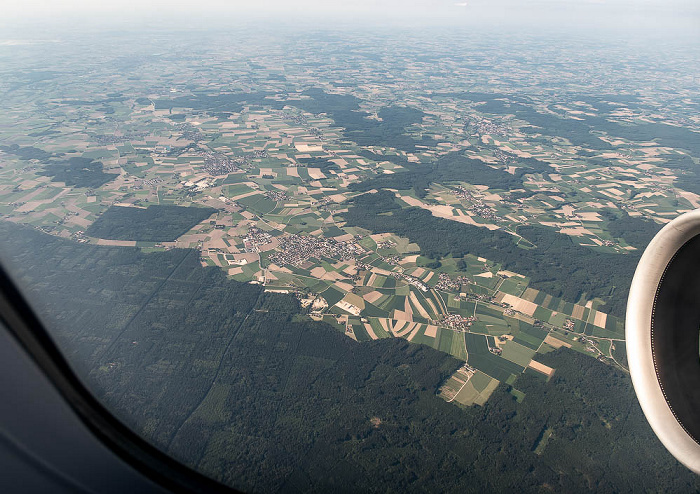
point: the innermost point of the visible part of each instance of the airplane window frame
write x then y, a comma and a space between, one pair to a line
25, 327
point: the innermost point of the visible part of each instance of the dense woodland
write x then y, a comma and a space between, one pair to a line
389, 130
688, 172
75, 172
26, 152
453, 167
556, 265
156, 223
225, 103
78, 172
636, 231
324, 164
241, 385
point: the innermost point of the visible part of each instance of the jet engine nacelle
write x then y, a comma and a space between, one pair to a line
662, 333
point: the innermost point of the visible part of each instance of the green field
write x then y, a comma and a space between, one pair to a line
458, 348
332, 296
530, 336
481, 358
517, 353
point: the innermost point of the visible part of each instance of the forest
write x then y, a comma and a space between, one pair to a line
345, 111
212, 103
242, 386
78, 172
556, 265
75, 171
156, 223
323, 164
688, 172
636, 231
453, 167
26, 152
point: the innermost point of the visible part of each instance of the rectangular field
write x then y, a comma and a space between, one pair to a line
481, 358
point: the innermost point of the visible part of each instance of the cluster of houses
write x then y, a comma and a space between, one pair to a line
296, 249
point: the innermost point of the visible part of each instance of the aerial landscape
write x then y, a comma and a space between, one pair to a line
302, 260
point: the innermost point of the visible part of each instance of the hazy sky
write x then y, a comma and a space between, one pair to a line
635, 14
